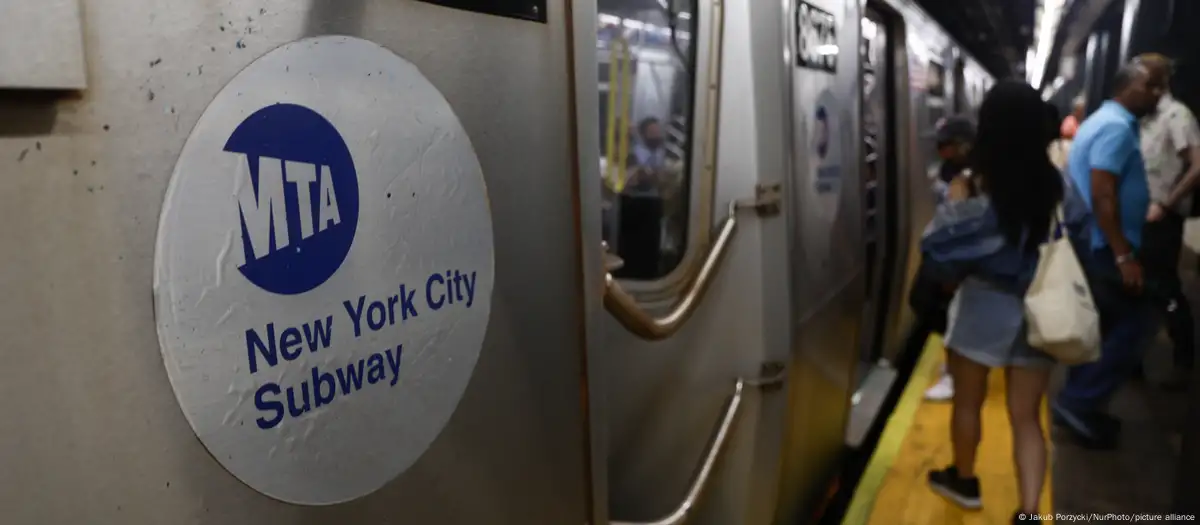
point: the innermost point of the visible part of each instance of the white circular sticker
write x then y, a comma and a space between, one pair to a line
823, 192
825, 170
324, 270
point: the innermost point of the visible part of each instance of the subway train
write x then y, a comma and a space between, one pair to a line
454, 261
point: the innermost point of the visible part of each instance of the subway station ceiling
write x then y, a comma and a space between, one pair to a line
996, 32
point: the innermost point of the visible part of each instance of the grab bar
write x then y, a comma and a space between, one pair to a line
700, 480
634, 318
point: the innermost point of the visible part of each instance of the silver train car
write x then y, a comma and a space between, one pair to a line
507, 303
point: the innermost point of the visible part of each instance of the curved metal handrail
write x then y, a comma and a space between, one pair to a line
634, 318
700, 480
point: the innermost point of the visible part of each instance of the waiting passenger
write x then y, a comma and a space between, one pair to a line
1060, 149
989, 244
1070, 125
954, 138
1106, 164
1170, 142
955, 135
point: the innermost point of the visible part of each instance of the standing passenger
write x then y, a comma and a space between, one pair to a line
990, 244
955, 136
1106, 164
1060, 149
1170, 141
1070, 125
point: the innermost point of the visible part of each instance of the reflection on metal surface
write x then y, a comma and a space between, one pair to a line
716, 444
634, 318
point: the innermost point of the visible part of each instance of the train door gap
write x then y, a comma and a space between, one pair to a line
874, 375
961, 105
891, 191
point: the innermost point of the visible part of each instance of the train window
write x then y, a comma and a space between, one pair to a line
961, 101
935, 107
647, 64
936, 81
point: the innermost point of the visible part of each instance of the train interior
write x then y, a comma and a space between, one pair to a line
695, 224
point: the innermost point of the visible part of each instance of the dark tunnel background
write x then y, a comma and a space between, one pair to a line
1169, 27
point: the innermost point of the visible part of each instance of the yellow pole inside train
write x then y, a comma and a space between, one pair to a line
623, 150
610, 139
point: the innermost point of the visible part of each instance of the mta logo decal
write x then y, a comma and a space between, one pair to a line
821, 131
299, 209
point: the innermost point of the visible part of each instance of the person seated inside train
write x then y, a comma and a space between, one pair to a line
650, 202
954, 138
987, 241
1106, 164
651, 170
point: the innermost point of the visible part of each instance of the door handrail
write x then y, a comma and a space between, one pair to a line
700, 479
634, 318
618, 302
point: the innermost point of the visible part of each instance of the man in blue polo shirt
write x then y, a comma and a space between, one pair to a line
1106, 164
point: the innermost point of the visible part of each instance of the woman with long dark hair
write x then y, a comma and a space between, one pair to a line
986, 239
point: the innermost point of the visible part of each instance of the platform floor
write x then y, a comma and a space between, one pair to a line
893, 490
1139, 476
1136, 478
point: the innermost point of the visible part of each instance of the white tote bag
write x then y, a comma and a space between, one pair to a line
1060, 314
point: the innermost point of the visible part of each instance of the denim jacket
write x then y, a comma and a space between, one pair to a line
964, 240
963, 245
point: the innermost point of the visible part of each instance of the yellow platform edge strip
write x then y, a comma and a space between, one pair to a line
897, 427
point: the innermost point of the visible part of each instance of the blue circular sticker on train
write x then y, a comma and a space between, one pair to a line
825, 132
298, 200
822, 131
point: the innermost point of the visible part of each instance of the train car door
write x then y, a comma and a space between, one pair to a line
823, 203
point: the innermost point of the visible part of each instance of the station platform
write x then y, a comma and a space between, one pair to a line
1135, 478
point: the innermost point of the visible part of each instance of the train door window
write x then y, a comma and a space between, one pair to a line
935, 104
647, 64
877, 169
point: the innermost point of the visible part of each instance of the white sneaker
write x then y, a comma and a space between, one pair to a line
943, 390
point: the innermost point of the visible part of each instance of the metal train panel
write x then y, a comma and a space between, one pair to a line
568, 417
94, 432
